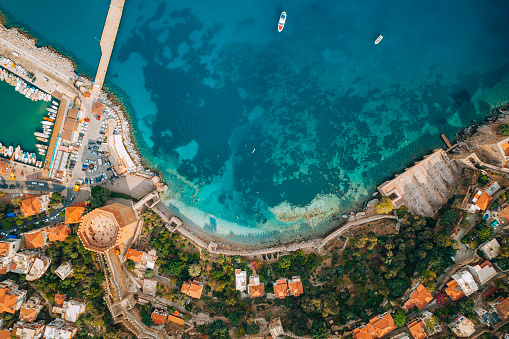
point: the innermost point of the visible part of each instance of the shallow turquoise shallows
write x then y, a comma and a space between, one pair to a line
19, 119
261, 134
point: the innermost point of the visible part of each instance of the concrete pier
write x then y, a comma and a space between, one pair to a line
107, 42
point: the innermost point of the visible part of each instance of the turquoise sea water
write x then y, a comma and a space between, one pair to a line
265, 134
20, 118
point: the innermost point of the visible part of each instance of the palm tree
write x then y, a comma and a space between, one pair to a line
194, 270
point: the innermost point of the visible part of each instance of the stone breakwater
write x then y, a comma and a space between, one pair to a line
27, 45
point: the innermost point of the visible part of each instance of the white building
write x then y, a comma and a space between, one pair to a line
65, 270
491, 248
466, 282
25, 330
462, 326
71, 310
59, 329
8, 249
482, 273
240, 280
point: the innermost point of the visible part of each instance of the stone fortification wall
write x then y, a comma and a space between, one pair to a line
426, 186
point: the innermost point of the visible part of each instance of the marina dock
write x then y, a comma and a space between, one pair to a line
107, 42
64, 101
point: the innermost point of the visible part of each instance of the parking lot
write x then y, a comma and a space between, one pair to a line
90, 164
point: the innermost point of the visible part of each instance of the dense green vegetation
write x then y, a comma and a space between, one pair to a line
86, 284
503, 129
100, 195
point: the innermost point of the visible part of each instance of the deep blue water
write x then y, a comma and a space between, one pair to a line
328, 114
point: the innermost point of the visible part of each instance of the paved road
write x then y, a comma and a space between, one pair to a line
21, 186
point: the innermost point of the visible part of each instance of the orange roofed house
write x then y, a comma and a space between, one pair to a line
73, 214
34, 205
193, 288
159, 316
454, 291
255, 288
281, 288
134, 255
11, 298
377, 327
58, 233
419, 298
480, 202
295, 286
35, 239
417, 329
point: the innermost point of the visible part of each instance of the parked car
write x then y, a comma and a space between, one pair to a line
12, 186
41, 184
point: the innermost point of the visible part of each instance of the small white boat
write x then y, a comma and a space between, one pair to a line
377, 41
42, 135
48, 123
281, 23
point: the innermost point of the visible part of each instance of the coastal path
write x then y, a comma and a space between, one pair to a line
152, 202
349, 225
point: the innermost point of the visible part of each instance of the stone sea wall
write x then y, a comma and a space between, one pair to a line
26, 45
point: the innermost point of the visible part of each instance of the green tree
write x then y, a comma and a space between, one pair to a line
186, 335
385, 206
359, 240
456, 245
443, 240
503, 129
194, 270
284, 263
56, 198
504, 250
319, 331
99, 192
218, 330
234, 318
399, 317
466, 305
252, 329
450, 218
484, 234
179, 298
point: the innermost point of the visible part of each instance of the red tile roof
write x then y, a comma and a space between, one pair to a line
34, 240
30, 206
192, 289
419, 298
281, 289
454, 291
58, 233
134, 255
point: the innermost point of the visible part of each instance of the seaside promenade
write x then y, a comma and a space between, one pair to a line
107, 42
152, 201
